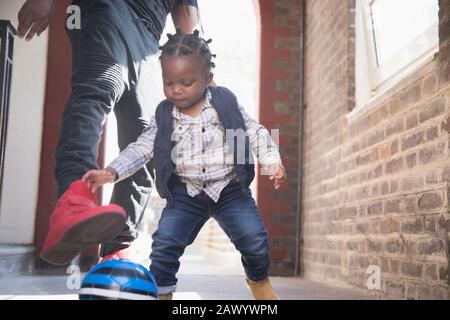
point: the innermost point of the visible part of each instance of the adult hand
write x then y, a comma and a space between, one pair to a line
34, 17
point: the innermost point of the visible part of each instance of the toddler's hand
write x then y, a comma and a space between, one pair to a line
96, 178
279, 177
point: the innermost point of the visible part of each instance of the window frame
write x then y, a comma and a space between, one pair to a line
381, 78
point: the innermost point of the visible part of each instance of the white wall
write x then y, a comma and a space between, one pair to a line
23, 147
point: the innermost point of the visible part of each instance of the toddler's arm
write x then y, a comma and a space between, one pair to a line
130, 160
265, 149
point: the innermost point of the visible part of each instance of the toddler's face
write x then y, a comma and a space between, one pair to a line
185, 80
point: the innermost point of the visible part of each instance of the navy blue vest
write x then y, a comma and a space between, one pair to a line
226, 106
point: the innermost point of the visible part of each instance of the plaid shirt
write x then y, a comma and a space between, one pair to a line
202, 160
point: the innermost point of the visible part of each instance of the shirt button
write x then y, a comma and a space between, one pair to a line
203, 170
203, 150
203, 130
204, 185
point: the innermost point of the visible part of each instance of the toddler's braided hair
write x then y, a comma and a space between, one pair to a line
183, 44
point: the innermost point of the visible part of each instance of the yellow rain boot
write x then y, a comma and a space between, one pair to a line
262, 290
165, 296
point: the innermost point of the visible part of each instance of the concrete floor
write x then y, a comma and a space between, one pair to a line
199, 279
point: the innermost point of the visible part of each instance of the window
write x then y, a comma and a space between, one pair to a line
393, 38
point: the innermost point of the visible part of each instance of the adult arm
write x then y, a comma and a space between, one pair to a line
185, 16
34, 17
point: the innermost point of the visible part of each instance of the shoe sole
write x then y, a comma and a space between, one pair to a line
92, 231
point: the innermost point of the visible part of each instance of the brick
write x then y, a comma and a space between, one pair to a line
350, 213
411, 121
395, 246
363, 160
439, 293
412, 140
414, 226
394, 166
442, 225
429, 201
282, 107
375, 208
394, 186
409, 205
384, 227
412, 269
412, 291
278, 254
432, 133
411, 160
394, 147
436, 107
431, 272
425, 293
384, 188
355, 147
446, 174
443, 273
430, 224
410, 96
352, 245
384, 151
429, 85
392, 206
375, 173
432, 246
280, 64
432, 153
395, 127
445, 125
394, 226
376, 137
410, 247
395, 289
394, 266
444, 77
362, 228
431, 178
412, 182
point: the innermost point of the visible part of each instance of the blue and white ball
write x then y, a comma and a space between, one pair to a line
118, 280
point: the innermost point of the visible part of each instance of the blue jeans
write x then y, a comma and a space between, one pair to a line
110, 72
181, 221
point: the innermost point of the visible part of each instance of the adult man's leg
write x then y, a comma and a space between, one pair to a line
100, 76
133, 112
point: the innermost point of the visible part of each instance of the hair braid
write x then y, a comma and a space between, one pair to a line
184, 44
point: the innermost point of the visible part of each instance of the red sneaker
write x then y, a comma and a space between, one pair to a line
118, 254
78, 222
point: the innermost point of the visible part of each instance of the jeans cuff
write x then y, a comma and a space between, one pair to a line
167, 289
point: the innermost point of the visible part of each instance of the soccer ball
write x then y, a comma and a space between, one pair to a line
118, 279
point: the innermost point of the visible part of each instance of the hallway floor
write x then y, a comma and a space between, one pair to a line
199, 279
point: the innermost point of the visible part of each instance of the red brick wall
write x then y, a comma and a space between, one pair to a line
376, 189
279, 105
279, 109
